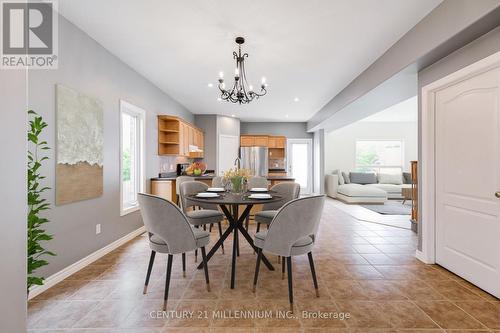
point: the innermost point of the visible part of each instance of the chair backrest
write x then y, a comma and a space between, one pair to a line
257, 181
217, 182
164, 219
181, 179
296, 219
287, 190
190, 188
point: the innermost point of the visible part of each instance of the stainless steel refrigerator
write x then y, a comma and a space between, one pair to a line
254, 159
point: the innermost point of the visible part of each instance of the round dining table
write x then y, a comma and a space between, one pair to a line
229, 204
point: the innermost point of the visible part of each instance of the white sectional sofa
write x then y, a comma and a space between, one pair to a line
377, 193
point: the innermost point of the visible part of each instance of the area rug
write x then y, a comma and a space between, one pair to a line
391, 207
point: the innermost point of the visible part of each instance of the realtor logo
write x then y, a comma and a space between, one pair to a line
29, 35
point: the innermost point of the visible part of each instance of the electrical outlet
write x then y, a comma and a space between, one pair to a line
97, 229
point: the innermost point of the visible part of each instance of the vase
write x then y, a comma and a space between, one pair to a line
237, 185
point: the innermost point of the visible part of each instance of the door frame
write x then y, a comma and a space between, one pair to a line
427, 168
310, 158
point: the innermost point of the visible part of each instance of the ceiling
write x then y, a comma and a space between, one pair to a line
405, 111
310, 50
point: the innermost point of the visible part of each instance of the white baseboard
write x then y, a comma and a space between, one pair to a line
423, 258
71, 269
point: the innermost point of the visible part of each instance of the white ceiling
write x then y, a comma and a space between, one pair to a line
405, 111
307, 49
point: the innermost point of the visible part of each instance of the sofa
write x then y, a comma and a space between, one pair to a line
360, 187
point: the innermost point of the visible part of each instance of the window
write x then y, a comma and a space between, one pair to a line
132, 178
379, 155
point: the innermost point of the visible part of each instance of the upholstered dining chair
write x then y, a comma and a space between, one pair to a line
253, 182
288, 191
257, 181
207, 215
292, 232
178, 181
170, 232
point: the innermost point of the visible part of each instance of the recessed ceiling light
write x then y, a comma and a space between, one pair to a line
210, 85
296, 99
219, 99
233, 115
286, 116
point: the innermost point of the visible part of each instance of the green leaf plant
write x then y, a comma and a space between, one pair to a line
36, 203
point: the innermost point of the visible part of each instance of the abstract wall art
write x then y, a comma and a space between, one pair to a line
79, 143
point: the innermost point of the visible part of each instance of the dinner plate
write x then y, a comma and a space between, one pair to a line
260, 196
207, 195
215, 189
258, 189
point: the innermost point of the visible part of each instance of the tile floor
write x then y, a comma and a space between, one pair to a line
366, 270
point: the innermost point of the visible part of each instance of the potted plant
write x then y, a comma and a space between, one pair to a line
237, 178
36, 203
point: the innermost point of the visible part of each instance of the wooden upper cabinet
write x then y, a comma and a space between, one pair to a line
272, 142
261, 141
247, 141
280, 142
175, 135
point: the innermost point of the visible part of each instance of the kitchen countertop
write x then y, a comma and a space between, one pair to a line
211, 177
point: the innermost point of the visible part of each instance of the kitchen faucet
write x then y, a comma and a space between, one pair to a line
237, 162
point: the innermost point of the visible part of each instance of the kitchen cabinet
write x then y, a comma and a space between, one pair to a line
247, 141
176, 135
261, 141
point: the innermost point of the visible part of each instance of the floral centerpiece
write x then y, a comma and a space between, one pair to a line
196, 169
237, 178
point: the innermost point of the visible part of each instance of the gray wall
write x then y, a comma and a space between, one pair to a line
293, 130
208, 123
482, 47
87, 67
13, 124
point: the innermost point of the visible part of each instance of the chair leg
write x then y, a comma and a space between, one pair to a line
290, 287
196, 255
205, 227
247, 222
258, 227
313, 272
183, 264
150, 268
220, 235
283, 268
205, 267
210, 229
167, 281
257, 266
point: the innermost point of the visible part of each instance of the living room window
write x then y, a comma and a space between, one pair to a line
380, 155
132, 179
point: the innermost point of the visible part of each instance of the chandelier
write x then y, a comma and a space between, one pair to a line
241, 92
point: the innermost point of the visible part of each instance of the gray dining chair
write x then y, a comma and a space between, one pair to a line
253, 182
288, 191
217, 182
170, 232
201, 217
292, 232
257, 181
178, 181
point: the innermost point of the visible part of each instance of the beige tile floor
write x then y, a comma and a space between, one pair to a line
364, 269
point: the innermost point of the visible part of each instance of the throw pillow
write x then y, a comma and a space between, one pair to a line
347, 180
363, 177
339, 175
390, 178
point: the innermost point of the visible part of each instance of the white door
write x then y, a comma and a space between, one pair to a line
227, 152
300, 166
468, 179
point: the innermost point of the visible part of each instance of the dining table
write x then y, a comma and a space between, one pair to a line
229, 203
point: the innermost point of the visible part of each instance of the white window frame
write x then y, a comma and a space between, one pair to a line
379, 167
135, 111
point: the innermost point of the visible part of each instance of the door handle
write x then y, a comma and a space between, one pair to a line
497, 194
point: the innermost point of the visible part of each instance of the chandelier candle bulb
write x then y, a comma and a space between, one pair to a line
221, 75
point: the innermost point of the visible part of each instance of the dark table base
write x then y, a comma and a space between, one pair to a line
235, 225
